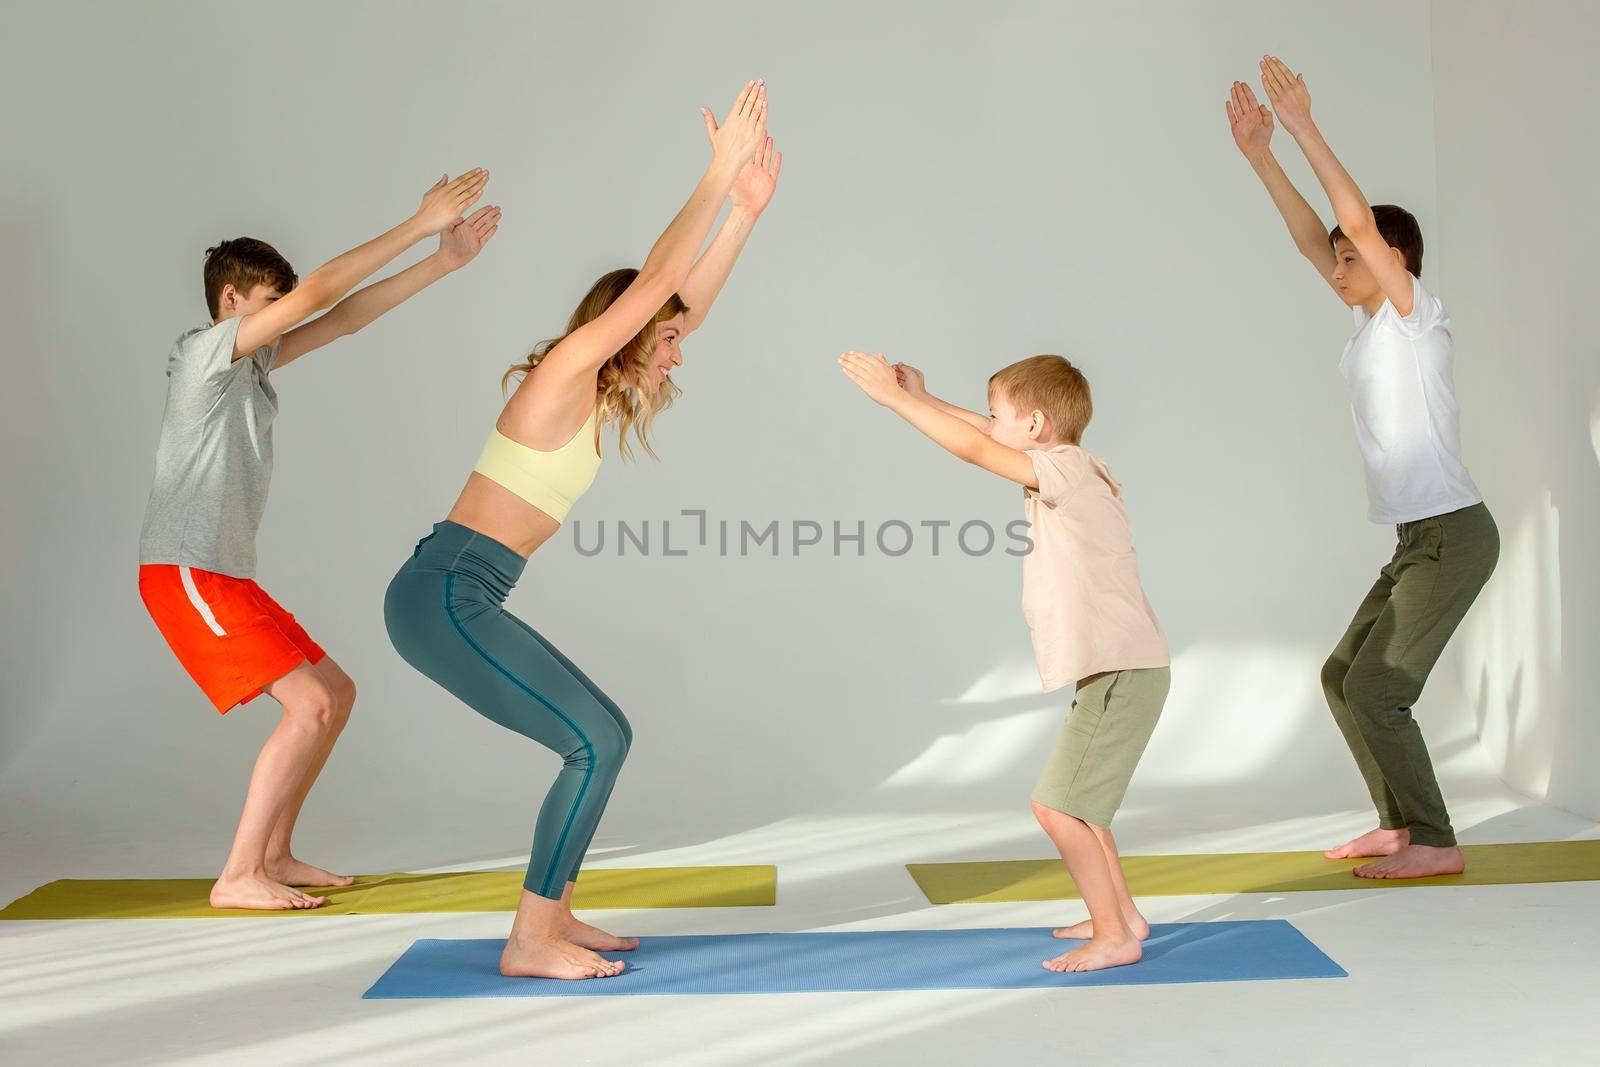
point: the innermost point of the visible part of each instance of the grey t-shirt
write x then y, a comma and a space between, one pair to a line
214, 462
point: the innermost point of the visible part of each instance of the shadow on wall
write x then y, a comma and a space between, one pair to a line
35, 340
1516, 645
1238, 713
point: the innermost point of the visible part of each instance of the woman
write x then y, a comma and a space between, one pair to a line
443, 608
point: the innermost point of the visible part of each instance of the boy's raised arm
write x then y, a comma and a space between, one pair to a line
458, 245
910, 379
1291, 100
876, 377
441, 206
1251, 124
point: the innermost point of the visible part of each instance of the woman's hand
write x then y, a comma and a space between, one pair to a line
1251, 121
743, 132
872, 373
1288, 93
753, 188
445, 202
464, 240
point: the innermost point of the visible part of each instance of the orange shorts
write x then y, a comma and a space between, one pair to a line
230, 636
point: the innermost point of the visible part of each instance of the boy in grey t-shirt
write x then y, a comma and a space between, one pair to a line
197, 553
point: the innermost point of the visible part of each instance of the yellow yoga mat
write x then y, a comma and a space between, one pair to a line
398, 894
1248, 872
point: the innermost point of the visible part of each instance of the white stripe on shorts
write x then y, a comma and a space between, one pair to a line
199, 602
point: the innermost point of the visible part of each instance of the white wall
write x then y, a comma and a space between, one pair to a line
1514, 93
963, 187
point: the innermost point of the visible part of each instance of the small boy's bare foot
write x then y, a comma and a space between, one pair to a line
1415, 861
1379, 842
1098, 955
260, 894
1084, 931
554, 958
291, 871
592, 937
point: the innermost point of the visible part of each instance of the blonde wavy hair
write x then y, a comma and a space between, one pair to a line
623, 390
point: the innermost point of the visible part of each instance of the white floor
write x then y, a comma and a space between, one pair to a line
1495, 974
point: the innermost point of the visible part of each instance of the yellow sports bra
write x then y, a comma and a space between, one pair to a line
550, 481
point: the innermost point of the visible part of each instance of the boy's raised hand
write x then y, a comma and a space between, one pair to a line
1251, 121
1288, 93
910, 379
873, 374
744, 132
447, 200
466, 237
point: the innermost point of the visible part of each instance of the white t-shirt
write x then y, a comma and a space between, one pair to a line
1403, 400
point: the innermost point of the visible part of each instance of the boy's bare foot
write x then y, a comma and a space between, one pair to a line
291, 871
1097, 955
1084, 931
260, 894
554, 958
1415, 861
592, 937
1379, 842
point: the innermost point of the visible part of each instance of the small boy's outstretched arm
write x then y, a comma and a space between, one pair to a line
1291, 100
876, 377
910, 379
1251, 124
441, 206
457, 247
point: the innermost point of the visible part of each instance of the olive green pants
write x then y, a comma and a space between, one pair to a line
1381, 664
1112, 717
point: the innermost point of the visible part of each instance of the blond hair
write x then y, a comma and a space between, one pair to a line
623, 389
1050, 384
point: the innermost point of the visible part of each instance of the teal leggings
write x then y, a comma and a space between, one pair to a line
445, 617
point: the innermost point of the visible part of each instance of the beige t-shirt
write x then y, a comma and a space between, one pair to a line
1080, 584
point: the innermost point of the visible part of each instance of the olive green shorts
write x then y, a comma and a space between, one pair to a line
1112, 718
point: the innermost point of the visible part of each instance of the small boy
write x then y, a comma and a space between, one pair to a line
197, 554
1087, 611
1402, 396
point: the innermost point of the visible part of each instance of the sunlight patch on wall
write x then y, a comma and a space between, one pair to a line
1516, 649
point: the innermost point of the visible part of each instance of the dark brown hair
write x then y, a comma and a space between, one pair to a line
245, 263
1399, 229
623, 388
1050, 384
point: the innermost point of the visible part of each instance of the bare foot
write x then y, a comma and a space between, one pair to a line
1084, 931
291, 871
260, 894
1379, 842
1415, 861
554, 958
592, 937
1097, 955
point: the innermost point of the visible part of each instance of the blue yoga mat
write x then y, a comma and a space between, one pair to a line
867, 961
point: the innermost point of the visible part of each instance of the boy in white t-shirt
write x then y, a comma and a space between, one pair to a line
1402, 398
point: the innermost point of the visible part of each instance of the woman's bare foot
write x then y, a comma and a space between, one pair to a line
1097, 955
1084, 931
1415, 861
258, 893
554, 958
1379, 842
291, 871
592, 937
